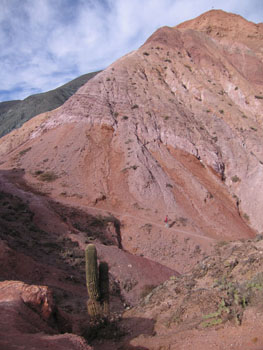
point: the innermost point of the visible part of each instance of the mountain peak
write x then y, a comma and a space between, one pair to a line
220, 22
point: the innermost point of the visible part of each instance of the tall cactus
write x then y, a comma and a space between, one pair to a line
92, 272
97, 284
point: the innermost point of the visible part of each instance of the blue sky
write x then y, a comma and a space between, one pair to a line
46, 43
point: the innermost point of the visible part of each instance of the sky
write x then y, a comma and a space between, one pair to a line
46, 43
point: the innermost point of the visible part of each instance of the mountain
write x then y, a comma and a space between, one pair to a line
173, 128
13, 114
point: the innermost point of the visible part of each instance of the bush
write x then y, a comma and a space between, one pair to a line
246, 217
48, 176
235, 178
24, 151
188, 67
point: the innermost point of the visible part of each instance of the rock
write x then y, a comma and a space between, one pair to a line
27, 319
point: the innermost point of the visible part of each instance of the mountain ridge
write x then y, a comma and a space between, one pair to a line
14, 113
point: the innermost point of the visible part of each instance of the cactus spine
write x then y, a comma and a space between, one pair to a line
97, 281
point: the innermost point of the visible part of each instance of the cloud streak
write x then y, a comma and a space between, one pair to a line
45, 43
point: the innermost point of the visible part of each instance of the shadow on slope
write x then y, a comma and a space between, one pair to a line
51, 256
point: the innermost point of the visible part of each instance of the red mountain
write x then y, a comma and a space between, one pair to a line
173, 128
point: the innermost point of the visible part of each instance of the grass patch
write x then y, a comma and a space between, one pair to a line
212, 323
188, 67
212, 315
235, 178
48, 176
215, 318
246, 217
183, 221
147, 228
134, 167
38, 172
24, 151
221, 243
128, 141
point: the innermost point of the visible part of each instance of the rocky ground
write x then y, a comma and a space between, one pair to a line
216, 306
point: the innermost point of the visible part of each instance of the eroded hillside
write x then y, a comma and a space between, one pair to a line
173, 128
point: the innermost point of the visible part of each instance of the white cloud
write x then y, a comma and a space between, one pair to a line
44, 43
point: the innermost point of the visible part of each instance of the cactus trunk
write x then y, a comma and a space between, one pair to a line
97, 284
94, 308
92, 272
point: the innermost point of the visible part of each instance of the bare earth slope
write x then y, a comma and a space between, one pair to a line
172, 128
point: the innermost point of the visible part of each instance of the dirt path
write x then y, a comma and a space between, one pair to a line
41, 207
121, 216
